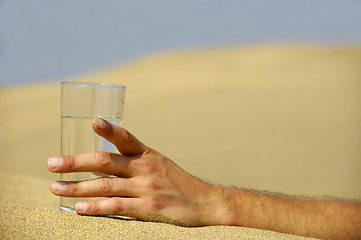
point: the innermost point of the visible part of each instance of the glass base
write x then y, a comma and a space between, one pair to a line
67, 209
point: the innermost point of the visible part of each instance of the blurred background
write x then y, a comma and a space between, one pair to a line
45, 40
259, 94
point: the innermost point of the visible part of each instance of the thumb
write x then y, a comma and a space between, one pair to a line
126, 143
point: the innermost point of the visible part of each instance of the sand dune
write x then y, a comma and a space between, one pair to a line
276, 118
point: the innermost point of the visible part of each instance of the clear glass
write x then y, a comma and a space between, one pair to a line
80, 103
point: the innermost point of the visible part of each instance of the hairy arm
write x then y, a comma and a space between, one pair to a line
149, 186
326, 219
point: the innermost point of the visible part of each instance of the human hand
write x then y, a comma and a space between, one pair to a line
147, 185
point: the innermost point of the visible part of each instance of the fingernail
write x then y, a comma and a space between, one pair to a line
81, 207
59, 186
99, 123
55, 162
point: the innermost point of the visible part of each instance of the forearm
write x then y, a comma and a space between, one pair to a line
313, 218
147, 182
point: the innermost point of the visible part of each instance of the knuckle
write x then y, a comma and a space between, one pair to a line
102, 158
69, 163
148, 165
152, 184
116, 205
93, 208
155, 204
72, 189
125, 135
105, 185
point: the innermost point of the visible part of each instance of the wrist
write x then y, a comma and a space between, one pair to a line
223, 206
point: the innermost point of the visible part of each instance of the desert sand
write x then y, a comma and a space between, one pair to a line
276, 118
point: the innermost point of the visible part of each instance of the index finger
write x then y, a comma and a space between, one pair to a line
126, 143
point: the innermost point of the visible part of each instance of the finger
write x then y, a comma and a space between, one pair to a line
104, 162
101, 187
126, 143
111, 206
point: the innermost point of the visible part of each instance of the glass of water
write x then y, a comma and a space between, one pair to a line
80, 103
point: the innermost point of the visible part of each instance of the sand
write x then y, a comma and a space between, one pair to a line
28, 211
277, 118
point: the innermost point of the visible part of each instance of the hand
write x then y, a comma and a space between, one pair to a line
147, 185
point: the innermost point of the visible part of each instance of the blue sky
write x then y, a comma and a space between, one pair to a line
47, 40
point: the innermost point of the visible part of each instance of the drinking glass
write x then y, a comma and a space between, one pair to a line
80, 103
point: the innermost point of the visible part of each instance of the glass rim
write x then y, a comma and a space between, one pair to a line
91, 85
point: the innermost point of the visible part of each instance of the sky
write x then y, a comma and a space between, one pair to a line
49, 40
